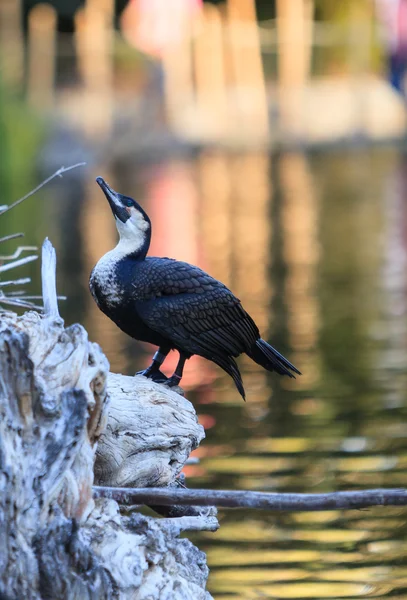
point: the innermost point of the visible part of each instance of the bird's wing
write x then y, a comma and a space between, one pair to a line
197, 312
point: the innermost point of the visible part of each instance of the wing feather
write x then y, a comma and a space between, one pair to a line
198, 313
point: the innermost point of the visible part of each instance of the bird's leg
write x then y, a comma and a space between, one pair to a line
177, 376
153, 371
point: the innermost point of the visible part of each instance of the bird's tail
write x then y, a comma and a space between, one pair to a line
266, 356
229, 365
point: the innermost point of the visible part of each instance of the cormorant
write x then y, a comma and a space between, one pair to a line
172, 304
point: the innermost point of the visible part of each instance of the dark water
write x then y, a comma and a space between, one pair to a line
316, 248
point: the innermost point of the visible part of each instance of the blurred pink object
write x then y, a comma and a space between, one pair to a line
392, 15
154, 25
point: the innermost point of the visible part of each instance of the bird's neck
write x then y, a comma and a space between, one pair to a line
133, 248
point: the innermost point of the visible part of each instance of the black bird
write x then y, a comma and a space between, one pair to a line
173, 304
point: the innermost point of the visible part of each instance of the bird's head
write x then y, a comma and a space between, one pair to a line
132, 222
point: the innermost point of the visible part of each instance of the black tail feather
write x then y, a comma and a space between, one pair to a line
229, 365
269, 358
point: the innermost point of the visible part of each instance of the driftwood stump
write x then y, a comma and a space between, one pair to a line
56, 541
149, 435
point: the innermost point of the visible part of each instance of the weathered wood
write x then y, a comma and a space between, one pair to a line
48, 279
57, 541
50, 379
145, 557
150, 433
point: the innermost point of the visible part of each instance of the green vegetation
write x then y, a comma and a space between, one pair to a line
21, 133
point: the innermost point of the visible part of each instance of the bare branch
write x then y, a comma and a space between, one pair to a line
21, 281
255, 500
17, 263
22, 296
48, 278
196, 523
18, 252
19, 298
58, 173
18, 302
13, 236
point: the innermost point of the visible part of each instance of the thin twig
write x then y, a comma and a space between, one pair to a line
195, 523
21, 295
58, 173
21, 281
17, 263
255, 500
193, 460
20, 303
18, 252
12, 236
19, 298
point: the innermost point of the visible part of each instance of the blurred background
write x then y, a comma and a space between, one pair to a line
267, 142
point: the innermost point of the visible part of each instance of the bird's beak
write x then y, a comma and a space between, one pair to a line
118, 210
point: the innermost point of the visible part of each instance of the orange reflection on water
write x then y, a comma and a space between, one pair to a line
172, 206
214, 213
172, 202
236, 232
301, 253
250, 215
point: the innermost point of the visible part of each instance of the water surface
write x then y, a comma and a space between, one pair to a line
316, 248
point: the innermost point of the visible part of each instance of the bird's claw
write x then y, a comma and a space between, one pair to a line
173, 381
154, 374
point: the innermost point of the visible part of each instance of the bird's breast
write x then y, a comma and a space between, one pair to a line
105, 284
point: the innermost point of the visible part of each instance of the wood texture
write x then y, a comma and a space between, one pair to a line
150, 433
57, 541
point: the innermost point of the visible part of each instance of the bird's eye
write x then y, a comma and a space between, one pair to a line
129, 202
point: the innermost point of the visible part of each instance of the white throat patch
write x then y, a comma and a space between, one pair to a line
132, 233
132, 237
